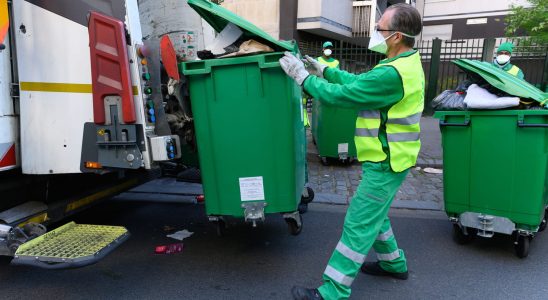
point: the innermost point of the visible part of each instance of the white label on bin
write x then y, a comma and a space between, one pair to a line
251, 188
343, 148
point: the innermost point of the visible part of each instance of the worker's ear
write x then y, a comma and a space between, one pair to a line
398, 37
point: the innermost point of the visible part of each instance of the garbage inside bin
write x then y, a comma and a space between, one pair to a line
449, 100
228, 36
249, 47
479, 98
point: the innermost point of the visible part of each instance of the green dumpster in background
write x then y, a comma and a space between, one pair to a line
496, 165
249, 130
333, 131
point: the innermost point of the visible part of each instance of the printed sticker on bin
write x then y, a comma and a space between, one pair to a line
251, 188
343, 148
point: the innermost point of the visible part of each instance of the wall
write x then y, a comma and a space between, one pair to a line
265, 14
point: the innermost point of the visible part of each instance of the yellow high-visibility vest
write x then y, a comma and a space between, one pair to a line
403, 123
332, 64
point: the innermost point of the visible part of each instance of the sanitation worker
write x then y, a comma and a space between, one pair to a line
390, 98
326, 59
327, 56
502, 60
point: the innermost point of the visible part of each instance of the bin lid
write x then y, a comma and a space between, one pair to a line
502, 80
218, 17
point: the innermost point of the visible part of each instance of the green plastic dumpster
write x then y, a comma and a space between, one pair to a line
496, 167
249, 130
333, 132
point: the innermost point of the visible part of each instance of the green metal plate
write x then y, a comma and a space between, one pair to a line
71, 245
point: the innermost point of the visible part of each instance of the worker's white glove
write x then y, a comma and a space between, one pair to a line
313, 66
294, 68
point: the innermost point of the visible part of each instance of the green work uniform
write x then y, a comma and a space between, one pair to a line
512, 69
366, 224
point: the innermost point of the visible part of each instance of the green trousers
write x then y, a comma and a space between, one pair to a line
366, 225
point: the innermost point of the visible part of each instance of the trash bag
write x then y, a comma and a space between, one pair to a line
463, 86
449, 100
479, 98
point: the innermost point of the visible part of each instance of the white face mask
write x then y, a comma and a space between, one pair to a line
502, 59
327, 52
377, 42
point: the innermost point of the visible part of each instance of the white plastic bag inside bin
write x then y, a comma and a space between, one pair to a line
230, 34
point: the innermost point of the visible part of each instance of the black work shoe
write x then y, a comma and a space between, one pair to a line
300, 293
374, 268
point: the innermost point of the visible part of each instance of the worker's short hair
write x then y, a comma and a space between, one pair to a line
406, 19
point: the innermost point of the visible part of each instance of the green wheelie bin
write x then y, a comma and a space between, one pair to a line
333, 132
249, 130
496, 165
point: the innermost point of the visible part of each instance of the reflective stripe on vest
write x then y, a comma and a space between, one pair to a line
402, 125
332, 64
513, 70
367, 135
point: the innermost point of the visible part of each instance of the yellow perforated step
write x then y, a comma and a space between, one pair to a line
70, 245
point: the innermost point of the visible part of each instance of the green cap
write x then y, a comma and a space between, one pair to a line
327, 44
507, 46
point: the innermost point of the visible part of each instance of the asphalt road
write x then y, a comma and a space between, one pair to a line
264, 262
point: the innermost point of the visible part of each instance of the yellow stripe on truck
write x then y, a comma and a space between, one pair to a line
55, 87
41, 218
102, 194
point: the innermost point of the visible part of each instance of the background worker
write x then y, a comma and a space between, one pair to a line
502, 60
327, 60
391, 100
327, 56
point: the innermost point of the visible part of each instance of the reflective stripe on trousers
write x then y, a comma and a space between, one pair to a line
350, 254
338, 276
385, 236
389, 256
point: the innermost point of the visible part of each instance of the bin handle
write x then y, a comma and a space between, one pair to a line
465, 124
521, 123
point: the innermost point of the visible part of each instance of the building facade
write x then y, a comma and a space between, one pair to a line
465, 19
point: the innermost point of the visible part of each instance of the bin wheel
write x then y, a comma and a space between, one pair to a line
294, 228
324, 161
303, 207
521, 246
310, 197
460, 237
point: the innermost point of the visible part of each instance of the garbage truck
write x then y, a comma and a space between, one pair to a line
89, 108
82, 118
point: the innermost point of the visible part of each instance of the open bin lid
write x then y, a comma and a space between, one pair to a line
218, 17
502, 80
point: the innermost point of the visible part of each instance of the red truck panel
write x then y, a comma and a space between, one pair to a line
109, 66
169, 58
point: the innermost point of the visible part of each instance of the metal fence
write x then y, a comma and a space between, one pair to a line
437, 56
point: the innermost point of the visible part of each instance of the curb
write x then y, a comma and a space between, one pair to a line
334, 199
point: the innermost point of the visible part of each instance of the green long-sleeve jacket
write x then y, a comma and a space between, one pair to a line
379, 88
509, 66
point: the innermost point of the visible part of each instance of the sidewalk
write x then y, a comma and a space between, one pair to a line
336, 183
